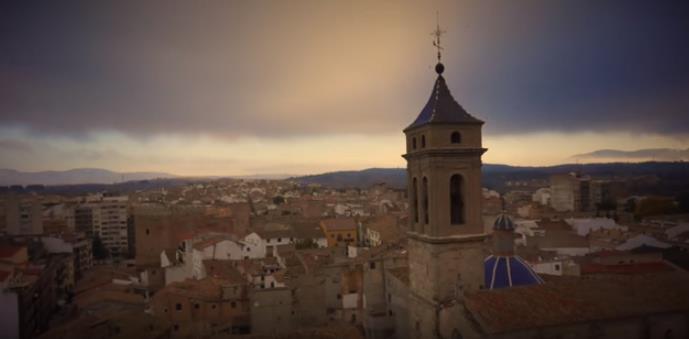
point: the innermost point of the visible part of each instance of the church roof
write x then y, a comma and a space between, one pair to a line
508, 271
571, 300
442, 108
503, 223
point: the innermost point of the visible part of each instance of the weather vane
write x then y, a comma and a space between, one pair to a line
437, 33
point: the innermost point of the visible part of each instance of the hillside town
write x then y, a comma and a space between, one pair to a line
449, 255
266, 257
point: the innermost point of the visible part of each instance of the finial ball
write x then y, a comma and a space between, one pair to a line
439, 68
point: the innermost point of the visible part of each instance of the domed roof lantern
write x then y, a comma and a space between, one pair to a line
503, 269
503, 223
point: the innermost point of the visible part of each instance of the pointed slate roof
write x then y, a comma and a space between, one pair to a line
442, 107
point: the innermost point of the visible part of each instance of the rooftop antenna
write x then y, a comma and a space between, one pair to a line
436, 42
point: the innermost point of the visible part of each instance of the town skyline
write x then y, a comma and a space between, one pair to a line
319, 170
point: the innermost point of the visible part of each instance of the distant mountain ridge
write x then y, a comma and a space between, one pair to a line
648, 154
74, 177
495, 175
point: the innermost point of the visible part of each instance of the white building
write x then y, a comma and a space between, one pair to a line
584, 226
541, 196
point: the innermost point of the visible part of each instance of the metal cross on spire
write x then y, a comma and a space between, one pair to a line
437, 33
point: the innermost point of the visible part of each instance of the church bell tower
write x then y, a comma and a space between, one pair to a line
446, 233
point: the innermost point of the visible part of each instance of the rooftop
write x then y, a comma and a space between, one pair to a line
442, 108
401, 273
338, 224
571, 300
7, 251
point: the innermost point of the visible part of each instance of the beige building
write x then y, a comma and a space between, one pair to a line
23, 216
204, 307
566, 192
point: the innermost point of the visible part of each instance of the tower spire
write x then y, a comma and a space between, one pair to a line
437, 33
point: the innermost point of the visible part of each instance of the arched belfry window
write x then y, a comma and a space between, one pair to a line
423, 141
456, 200
455, 137
415, 203
413, 143
424, 191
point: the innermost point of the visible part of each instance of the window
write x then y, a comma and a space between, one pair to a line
456, 201
423, 141
413, 143
424, 202
455, 137
415, 204
372, 265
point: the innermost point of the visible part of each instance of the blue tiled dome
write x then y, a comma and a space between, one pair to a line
503, 223
508, 271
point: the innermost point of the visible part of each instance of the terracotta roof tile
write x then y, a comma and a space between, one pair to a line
571, 300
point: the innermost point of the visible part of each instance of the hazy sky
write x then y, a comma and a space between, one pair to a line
230, 87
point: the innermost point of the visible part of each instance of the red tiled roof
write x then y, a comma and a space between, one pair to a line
637, 268
340, 224
4, 275
7, 251
573, 300
224, 269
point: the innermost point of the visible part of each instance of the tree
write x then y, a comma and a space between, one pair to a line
683, 202
278, 200
304, 244
655, 206
100, 252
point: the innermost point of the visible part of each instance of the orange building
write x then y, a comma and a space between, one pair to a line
341, 231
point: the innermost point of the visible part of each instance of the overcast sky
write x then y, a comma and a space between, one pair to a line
224, 87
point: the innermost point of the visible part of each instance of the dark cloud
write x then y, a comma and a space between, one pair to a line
13, 145
238, 68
